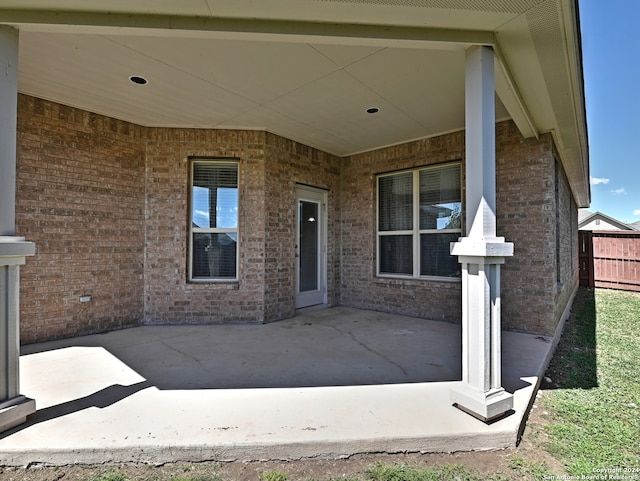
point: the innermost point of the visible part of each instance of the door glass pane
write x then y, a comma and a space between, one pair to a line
308, 246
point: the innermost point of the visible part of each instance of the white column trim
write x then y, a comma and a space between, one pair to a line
480, 144
8, 127
481, 252
14, 407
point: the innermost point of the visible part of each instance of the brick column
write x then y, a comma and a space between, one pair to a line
481, 252
14, 407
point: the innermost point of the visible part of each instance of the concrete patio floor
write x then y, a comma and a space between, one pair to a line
329, 382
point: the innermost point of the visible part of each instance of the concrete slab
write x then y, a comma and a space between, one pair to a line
330, 382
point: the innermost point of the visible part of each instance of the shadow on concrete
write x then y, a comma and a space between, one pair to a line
101, 399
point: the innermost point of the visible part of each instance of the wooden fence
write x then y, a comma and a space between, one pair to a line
610, 259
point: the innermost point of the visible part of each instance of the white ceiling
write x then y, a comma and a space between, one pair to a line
313, 93
307, 69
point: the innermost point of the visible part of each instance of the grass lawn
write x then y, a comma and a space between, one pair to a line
593, 410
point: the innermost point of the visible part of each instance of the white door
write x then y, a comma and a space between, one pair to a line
311, 247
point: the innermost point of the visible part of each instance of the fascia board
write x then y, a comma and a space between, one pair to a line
245, 29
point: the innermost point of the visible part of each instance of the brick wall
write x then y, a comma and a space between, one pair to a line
106, 203
525, 180
80, 198
525, 193
360, 287
270, 167
290, 163
566, 241
169, 298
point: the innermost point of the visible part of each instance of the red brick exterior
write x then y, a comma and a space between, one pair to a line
526, 181
270, 167
566, 257
360, 287
106, 203
80, 198
535, 211
169, 298
290, 163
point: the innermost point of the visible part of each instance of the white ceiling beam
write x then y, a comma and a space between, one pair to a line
512, 100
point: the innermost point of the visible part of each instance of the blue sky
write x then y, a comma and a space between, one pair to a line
611, 59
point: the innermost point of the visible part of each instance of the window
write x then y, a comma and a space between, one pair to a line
419, 215
213, 236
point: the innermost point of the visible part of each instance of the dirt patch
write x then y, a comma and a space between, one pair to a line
317, 469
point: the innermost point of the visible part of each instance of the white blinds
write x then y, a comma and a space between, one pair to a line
395, 202
215, 195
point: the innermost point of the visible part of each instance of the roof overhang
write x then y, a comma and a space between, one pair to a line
308, 69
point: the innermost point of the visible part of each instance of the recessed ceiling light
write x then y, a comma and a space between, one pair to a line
373, 110
136, 79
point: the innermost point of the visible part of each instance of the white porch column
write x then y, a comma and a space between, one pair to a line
481, 252
14, 407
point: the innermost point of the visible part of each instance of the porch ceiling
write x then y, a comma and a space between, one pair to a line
308, 69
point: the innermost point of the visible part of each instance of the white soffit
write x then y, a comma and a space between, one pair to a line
322, 90
549, 82
305, 69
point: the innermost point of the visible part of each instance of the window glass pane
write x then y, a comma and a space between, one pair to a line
215, 195
435, 257
214, 255
395, 199
396, 254
440, 205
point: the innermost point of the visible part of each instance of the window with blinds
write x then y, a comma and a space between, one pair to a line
419, 215
213, 236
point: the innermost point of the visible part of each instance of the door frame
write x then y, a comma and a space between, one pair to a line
312, 194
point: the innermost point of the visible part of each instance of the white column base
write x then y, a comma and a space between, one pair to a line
15, 411
485, 406
480, 393
14, 407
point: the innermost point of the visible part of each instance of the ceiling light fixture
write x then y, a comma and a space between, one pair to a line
373, 110
137, 79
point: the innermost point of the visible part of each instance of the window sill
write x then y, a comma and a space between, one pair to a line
383, 279
209, 283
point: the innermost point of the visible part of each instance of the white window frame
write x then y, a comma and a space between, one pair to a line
212, 230
416, 231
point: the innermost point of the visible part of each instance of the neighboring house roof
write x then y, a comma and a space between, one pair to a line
636, 225
584, 214
308, 69
588, 220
